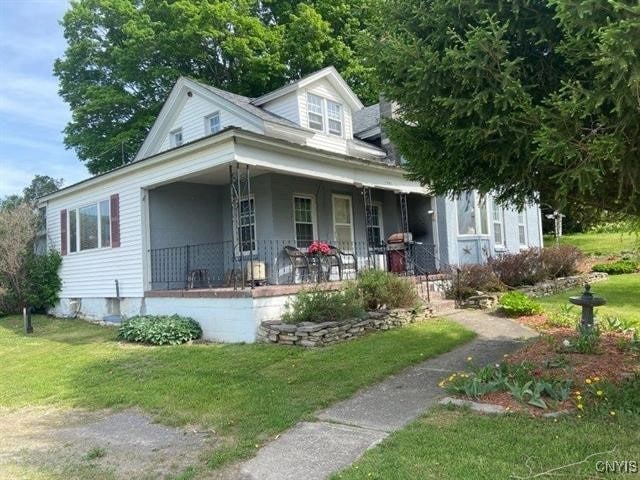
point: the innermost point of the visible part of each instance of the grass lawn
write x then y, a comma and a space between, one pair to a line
246, 393
598, 243
622, 293
455, 444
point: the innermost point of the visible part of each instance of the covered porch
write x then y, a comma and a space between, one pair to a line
239, 226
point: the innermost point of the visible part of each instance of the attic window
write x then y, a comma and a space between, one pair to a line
213, 123
176, 138
334, 114
315, 112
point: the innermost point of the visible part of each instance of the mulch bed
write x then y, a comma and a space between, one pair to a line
610, 363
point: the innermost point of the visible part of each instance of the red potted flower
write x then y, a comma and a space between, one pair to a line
318, 247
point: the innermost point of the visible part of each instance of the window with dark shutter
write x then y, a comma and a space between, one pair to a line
115, 220
63, 232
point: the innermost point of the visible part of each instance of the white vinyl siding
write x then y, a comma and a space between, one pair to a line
190, 119
92, 273
285, 107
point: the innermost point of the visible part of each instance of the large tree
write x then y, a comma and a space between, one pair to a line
40, 185
123, 56
517, 97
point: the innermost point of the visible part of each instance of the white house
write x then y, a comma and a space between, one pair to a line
228, 192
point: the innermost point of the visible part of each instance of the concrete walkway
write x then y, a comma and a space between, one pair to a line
343, 432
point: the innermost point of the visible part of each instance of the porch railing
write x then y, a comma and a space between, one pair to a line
212, 265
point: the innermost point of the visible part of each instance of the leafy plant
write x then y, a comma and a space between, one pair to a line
587, 341
617, 268
318, 305
379, 288
565, 316
516, 304
160, 329
95, 452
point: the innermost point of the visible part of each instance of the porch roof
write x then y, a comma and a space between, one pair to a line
342, 168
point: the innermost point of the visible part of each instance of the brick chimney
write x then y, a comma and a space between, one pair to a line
387, 111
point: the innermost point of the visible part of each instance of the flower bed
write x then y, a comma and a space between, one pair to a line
309, 334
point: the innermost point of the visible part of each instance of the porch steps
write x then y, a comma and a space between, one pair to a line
438, 304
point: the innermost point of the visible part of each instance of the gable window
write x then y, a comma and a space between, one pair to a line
334, 115
497, 217
315, 112
304, 218
522, 228
90, 227
246, 228
213, 123
342, 221
375, 234
472, 213
176, 138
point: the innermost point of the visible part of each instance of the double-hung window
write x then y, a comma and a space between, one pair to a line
246, 228
324, 115
90, 227
334, 116
304, 218
473, 218
315, 112
375, 234
176, 138
497, 216
522, 228
342, 221
213, 123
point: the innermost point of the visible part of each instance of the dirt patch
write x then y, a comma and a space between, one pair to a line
103, 444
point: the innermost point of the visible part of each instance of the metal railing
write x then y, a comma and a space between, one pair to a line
265, 262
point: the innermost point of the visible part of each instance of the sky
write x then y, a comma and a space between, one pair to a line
32, 115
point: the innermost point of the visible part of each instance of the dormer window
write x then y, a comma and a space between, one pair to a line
213, 123
334, 114
176, 138
316, 112
316, 108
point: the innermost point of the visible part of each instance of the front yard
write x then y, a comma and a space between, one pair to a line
622, 293
456, 444
246, 394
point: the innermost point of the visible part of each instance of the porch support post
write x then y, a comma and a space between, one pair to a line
252, 240
368, 220
235, 219
404, 223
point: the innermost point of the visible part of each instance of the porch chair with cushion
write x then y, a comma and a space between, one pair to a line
344, 261
298, 260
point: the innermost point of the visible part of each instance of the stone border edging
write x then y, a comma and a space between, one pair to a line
309, 334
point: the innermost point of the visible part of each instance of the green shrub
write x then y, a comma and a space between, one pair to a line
517, 304
472, 279
616, 268
379, 288
40, 284
317, 305
536, 265
160, 329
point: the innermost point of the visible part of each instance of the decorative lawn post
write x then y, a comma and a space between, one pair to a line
26, 314
587, 301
